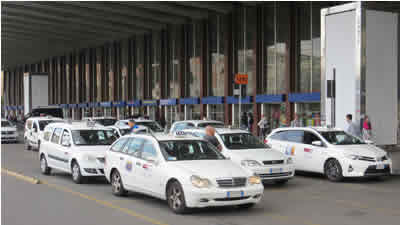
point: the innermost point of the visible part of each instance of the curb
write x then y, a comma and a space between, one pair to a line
20, 176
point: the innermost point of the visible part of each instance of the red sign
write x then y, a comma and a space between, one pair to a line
241, 78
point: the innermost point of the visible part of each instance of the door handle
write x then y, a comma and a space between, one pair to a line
121, 158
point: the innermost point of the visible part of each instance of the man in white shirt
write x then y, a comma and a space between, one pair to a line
351, 127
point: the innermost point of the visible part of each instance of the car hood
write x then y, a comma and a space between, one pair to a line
211, 169
257, 154
8, 129
363, 150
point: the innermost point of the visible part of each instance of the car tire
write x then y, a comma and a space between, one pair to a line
76, 173
333, 170
116, 184
46, 170
176, 198
246, 206
281, 182
26, 145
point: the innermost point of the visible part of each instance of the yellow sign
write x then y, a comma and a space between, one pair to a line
241, 78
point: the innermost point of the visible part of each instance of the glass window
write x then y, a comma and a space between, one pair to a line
213, 124
282, 40
47, 134
309, 138
44, 123
295, 136
66, 138
242, 141
117, 147
189, 150
93, 137
216, 77
156, 65
153, 125
176, 45
5, 123
133, 147
56, 135
341, 138
305, 48
106, 122
29, 124
193, 77
139, 66
279, 136
34, 127
149, 151
269, 73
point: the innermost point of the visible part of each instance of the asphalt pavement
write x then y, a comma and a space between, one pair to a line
308, 199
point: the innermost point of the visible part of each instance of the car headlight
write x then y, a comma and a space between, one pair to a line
90, 158
200, 182
254, 180
289, 160
353, 157
250, 163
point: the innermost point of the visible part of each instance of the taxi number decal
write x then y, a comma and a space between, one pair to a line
128, 166
290, 150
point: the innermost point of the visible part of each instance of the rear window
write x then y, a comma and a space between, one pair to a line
215, 125
55, 112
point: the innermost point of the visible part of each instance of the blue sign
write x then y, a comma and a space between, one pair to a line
93, 104
189, 101
119, 104
105, 104
270, 98
305, 97
235, 100
134, 103
149, 102
171, 101
72, 106
64, 106
21, 107
212, 100
82, 105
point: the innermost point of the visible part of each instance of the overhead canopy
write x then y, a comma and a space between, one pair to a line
33, 31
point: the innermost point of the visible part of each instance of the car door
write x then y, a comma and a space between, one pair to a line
52, 151
314, 156
28, 130
131, 164
64, 150
115, 156
277, 141
294, 147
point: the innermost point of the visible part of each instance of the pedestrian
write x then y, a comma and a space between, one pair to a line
366, 128
351, 127
263, 125
296, 122
162, 120
132, 125
243, 121
250, 121
210, 137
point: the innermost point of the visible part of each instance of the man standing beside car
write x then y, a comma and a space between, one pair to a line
210, 137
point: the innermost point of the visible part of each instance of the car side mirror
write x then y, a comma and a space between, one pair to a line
316, 143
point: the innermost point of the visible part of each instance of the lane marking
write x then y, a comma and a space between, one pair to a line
31, 180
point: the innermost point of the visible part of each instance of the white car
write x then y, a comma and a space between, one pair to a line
8, 131
153, 125
190, 124
34, 127
77, 148
186, 171
103, 120
246, 150
121, 130
332, 152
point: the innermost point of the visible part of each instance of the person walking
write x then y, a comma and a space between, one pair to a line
162, 120
250, 121
243, 121
296, 122
263, 125
366, 128
210, 137
132, 125
351, 127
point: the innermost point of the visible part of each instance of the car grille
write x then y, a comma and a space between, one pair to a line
268, 175
231, 199
273, 162
7, 132
371, 170
365, 158
101, 159
232, 182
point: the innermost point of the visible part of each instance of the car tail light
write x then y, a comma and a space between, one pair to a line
265, 141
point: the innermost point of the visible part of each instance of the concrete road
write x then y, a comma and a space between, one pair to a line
305, 200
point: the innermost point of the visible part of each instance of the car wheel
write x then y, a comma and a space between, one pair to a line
26, 145
46, 170
76, 173
176, 198
117, 185
247, 206
333, 170
281, 182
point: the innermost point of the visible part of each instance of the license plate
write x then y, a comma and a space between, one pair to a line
380, 166
234, 194
275, 170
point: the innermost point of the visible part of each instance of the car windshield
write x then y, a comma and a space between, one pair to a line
93, 137
44, 123
106, 122
213, 124
153, 125
6, 124
124, 131
189, 150
240, 141
341, 138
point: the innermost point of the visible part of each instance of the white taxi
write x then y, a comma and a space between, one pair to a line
152, 124
246, 150
332, 152
34, 127
186, 171
77, 148
102, 120
190, 124
8, 131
